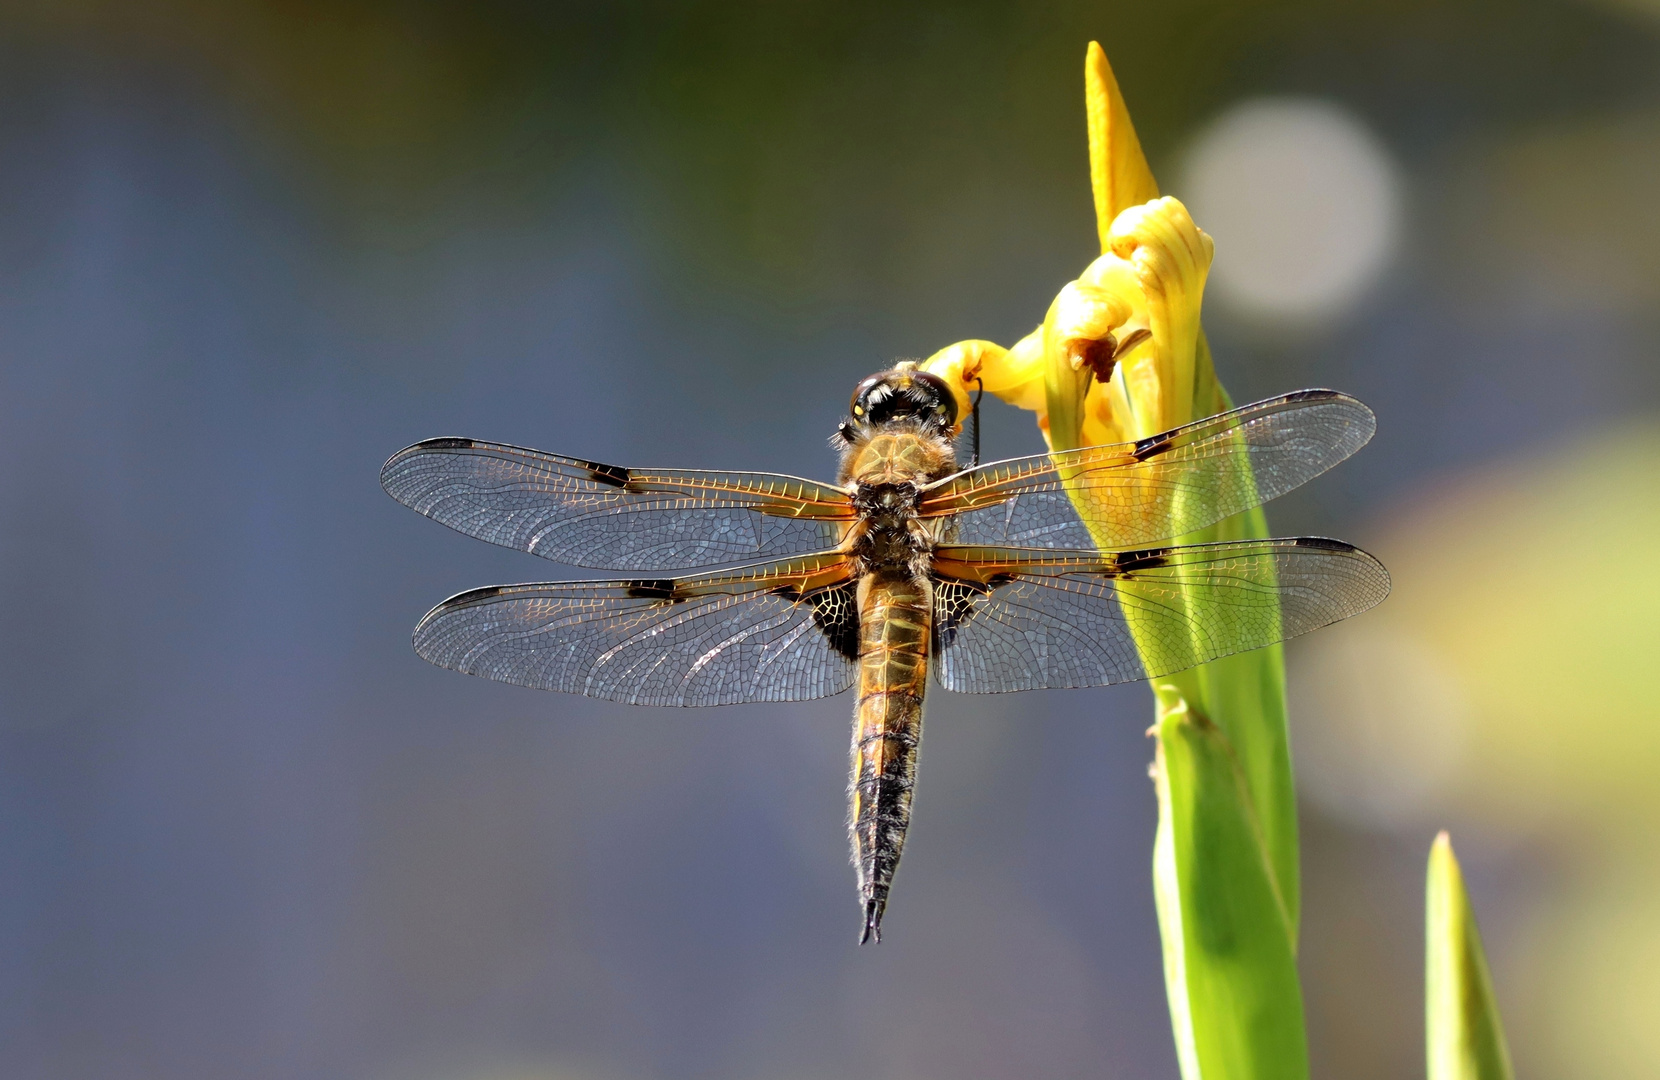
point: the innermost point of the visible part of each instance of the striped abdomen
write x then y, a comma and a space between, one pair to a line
887, 726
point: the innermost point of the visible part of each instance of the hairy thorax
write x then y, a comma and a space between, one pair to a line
885, 470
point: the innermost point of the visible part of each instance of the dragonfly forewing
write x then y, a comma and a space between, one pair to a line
1169, 485
582, 513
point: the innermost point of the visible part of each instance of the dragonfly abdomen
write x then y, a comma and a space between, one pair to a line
887, 729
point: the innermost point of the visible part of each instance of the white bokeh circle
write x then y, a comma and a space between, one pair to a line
1304, 204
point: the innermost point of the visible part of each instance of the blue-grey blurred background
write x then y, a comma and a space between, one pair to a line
249, 250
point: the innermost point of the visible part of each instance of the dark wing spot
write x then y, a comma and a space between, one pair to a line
836, 614
612, 475
1152, 446
1146, 559
954, 603
473, 596
448, 444
658, 589
1323, 543
1313, 395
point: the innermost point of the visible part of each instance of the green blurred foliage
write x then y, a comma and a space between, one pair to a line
1548, 643
1512, 687
771, 134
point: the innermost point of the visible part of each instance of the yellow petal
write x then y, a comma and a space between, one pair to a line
1171, 257
1117, 168
1015, 375
1020, 383
1064, 383
1089, 312
1079, 338
1107, 414
1150, 278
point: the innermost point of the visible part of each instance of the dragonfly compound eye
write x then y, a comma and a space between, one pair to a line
904, 393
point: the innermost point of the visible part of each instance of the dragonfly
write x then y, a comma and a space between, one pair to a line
1041, 572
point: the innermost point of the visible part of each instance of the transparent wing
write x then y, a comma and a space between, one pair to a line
585, 514
1161, 487
1007, 619
783, 631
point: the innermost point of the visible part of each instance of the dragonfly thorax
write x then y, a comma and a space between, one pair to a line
886, 505
887, 536
897, 452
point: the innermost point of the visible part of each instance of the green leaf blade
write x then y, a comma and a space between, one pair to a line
1245, 696
1226, 873
1230, 965
1464, 1038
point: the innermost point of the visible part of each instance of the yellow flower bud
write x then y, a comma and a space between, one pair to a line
1118, 355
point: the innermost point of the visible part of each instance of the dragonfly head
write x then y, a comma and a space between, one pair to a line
903, 394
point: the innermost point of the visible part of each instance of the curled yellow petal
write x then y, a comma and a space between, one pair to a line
1171, 257
1064, 383
1015, 375
1088, 312
1118, 169
1020, 382
1083, 338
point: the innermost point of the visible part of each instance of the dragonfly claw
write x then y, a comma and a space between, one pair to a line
873, 922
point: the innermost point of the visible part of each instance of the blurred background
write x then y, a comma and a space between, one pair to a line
247, 251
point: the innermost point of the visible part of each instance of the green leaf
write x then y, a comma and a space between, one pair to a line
1244, 695
1225, 859
1463, 1036
1230, 968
